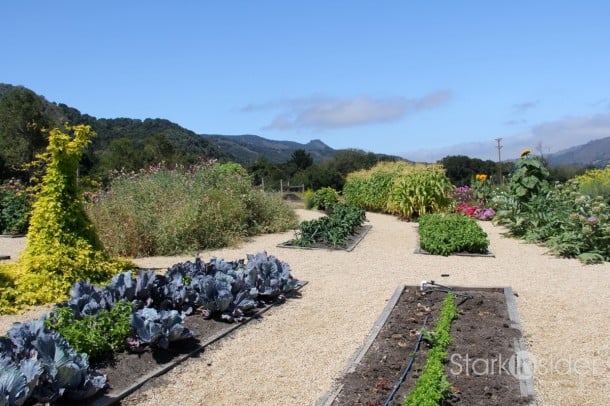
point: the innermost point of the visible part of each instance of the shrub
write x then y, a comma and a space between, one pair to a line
324, 198
15, 206
444, 234
164, 211
62, 244
595, 182
570, 223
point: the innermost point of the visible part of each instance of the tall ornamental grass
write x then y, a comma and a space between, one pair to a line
163, 211
400, 188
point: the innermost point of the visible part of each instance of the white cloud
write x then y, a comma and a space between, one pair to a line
549, 137
328, 113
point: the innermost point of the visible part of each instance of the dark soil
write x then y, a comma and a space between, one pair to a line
483, 343
127, 371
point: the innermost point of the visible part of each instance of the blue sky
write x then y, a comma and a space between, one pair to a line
417, 79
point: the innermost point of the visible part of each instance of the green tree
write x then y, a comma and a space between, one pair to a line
157, 148
461, 169
301, 159
122, 153
22, 119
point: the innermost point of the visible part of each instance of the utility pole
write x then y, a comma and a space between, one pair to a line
499, 146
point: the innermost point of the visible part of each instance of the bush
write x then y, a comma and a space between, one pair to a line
444, 234
324, 198
62, 244
570, 223
595, 182
164, 211
15, 207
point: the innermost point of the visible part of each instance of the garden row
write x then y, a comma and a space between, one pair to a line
48, 359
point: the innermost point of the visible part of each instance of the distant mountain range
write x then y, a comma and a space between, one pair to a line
244, 148
247, 148
593, 153
239, 148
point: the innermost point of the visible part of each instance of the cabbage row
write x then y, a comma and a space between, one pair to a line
37, 363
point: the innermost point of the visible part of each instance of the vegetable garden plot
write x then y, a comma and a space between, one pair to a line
485, 362
352, 241
130, 371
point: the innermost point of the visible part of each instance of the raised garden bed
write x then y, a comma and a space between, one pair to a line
127, 372
352, 241
486, 363
489, 254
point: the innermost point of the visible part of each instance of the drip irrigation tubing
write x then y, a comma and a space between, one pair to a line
425, 287
409, 365
435, 287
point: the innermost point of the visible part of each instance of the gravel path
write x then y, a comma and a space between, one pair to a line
293, 355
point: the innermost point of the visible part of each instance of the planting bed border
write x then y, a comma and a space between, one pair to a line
526, 385
113, 396
359, 236
489, 254
12, 235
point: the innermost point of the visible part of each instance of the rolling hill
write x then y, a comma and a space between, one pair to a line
593, 153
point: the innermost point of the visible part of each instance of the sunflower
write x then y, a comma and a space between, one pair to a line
525, 152
481, 176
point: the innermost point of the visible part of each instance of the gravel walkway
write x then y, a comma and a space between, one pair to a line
293, 355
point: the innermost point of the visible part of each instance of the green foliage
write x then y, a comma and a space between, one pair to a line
324, 198
15, 206
444, 234
595, 182
22, 120
62, 245
96, 335
432, 385
530, 177
422, 191
370, 189
163, 211
333, 229
400, 188
571, 224
461, 169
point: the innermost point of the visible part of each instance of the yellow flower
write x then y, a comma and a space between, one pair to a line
481, 176
525, 152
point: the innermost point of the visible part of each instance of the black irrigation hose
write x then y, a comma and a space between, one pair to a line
435, 287
432, 287
409, 365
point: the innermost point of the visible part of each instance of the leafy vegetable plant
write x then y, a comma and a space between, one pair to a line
444, 234
334, 229
432, 385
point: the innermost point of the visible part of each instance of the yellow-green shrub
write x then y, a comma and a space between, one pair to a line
62, 245
595, 182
